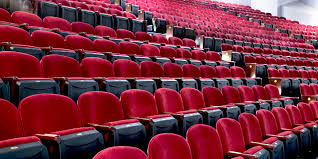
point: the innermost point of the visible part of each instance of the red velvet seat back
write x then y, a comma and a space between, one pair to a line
127, 47
99, 107
57, 112
126, 68
231, 135
168, 146
60, 66
172, 70
190, 70
192, 98
138, 103
209, 146
16, 64
282, 118
74, 42
78, 27
149, 50
251, 128
267, 121
231, 94
96, 67
151, 69
20, 17
55, 22
213, 96
103, 45
43, 38
10, 121
14, 35
121, 152
207, 71
223, 72
168, 100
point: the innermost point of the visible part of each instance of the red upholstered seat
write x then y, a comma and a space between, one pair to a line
60, 66
172, 70
74, 42
59, 115
121, 152
143, 36
166, 51
208, 147
175, 41
55, 22
149, 50
151, 69
231, 135
126, 68
21, 17
157, 38
183, 53
122, 33
105, 31
189, 42
43, 38
79, 27
168, 146
190, 70
103, 45
127, 47
96, 67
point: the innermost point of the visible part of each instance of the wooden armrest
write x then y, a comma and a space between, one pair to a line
56, 30
9, 79
126, 39
141, 119
82, 33
298, 124
100, 127
79, 50
278, 136
174, 114
46, 48
106, 37
268, 146
233, 153
5, 43
60, 78
294, 131
99, 78
23, 25
53, 137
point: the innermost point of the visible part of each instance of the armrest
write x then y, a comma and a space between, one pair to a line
278, 136
233, 153
23, 25
9, 79
238, 104
174, 114
291, 97
79, 50
309, 121
298, 124
82, 34
126, 39
56, 30
5, 43
100, 127
141, 119
268, 146
60, 78
294, 131
53, 137
46, 48
220, 107
106, 37
99, 78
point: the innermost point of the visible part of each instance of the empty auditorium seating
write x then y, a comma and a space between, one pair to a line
141, 105
271, 129
232, 96
60, 126
214, 97
68, 73
13, 144
261, 94
284, 122
247, 95
103, 111
170, 101
233, 142
273, 93
193, 99
253, 136
23, 73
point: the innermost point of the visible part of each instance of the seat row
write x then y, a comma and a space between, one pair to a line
132, 120
282, 133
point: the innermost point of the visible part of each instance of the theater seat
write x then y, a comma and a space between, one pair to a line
168, 146
121, 152
232, 96
103, 111
17, 39
261, 95
23, 73
103, 72
141, 105
270, 129
232, 139
208, 147
273, 93
12, 142
170, 101
247, 95
60, 126
67, 72
131, 70
284, 123
193, 99
253, 136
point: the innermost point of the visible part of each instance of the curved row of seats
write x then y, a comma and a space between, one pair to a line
261, 131
134, 104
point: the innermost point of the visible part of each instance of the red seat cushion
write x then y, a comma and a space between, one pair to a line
270, 140
253, 150
18, 141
